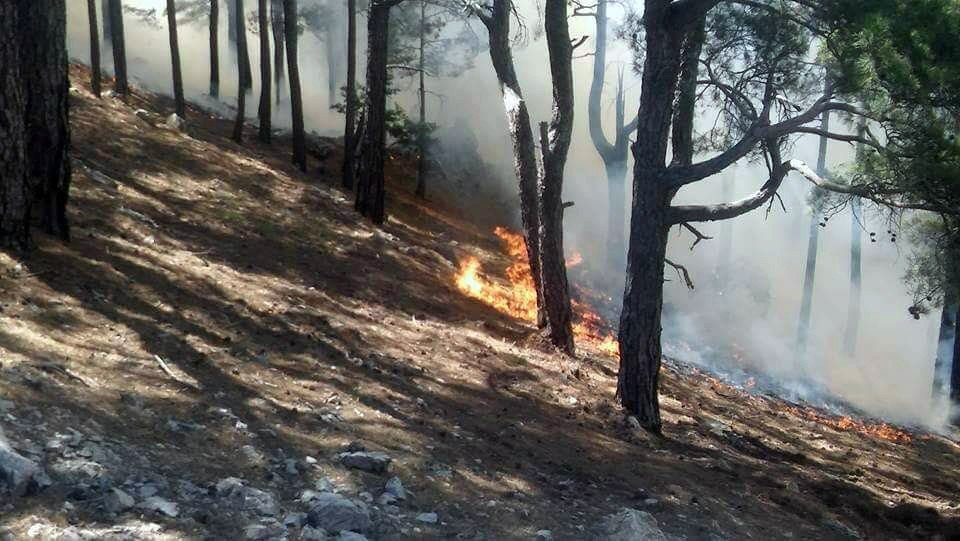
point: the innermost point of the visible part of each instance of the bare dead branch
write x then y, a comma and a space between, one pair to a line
682, 272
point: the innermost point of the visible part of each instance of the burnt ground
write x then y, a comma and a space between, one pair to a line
291, 327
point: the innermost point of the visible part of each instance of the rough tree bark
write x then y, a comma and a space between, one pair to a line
265, 74
243, 50
350, 110
215, 48
810, 270
497, 22
117, 39
293, 72
945, 347
555, 143
242, 82
276, 23
179, 99
421, 190
613, 154
370, 200
44, 71
14, 194
95, 69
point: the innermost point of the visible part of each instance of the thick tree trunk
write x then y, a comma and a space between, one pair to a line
421, 191
215, 48
43, 53
555, 143
945, 348
276, 23
810, 271
853, 306
370, 186
118, 44
350, 121
521, 134
179, 99
95, 69
955, 362
243, 51
293, 72
617, 201
640, 325
265, 72
14, 192
242, 82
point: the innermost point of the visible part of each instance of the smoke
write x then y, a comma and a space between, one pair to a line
745, 324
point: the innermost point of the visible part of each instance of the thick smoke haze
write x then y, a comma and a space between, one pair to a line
748, 323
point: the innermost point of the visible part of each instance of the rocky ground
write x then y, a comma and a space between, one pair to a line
226, 350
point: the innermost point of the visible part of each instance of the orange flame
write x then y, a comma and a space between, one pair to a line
881, 431
519, 298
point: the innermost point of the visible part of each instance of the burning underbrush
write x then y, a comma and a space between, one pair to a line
518, 298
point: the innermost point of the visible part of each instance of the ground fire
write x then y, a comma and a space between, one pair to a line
519, 299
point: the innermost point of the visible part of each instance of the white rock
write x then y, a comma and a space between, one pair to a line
631, 525
428, 518
174, 122
118, 501
161, 506
394, 487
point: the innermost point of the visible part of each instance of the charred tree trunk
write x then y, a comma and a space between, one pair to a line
955, 362
215, 48
521, 134
242, 82
810, 271
265, 74
43, 54
95, 70
107, 34
181, 102
14, 193
243, 51
118, 44
942, 374
614, 155
640, 322
276, 23
555, 144
350, 110
421, 191
856, 276
293, 71
370, 199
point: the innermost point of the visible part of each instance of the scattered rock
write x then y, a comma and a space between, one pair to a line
394, 487
350, 536
159, 505
174, 122
246, 497
18, 475
386, 499
371, 461
544, 535
334, 512
264, 530
309, 533
428, 518
118, 501
174, 425
295, 520
631, 525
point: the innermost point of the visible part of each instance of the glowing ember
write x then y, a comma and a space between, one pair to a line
519, 298
881, 431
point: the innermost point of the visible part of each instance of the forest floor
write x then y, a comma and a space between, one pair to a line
219, 314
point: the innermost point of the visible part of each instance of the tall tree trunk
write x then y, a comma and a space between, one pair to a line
118, 44
350, 121
640, 325
242, 82
265, 72
421, 191
14, 192
555, 143
276, 23
614, 155
334, 52
232, 27
215, 48
243, 51
293, 72
945, 347
371, 195
856, 239
107, 28
810, 271
521, 134
955, 362
95, 69
179, 99
43, 53
725, 250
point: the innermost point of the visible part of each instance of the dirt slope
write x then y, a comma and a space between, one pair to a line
219, 314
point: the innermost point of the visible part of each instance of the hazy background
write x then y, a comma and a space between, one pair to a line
726, 328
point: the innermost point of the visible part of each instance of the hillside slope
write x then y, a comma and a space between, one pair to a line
220, 315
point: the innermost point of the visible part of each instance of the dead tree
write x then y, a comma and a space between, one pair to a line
215, 48
118, 43
95, 69
293, 73
179, 99
265, 96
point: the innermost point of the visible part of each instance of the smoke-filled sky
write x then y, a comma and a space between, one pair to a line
753, 318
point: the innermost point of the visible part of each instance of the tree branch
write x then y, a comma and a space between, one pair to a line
681, 272
696, 233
